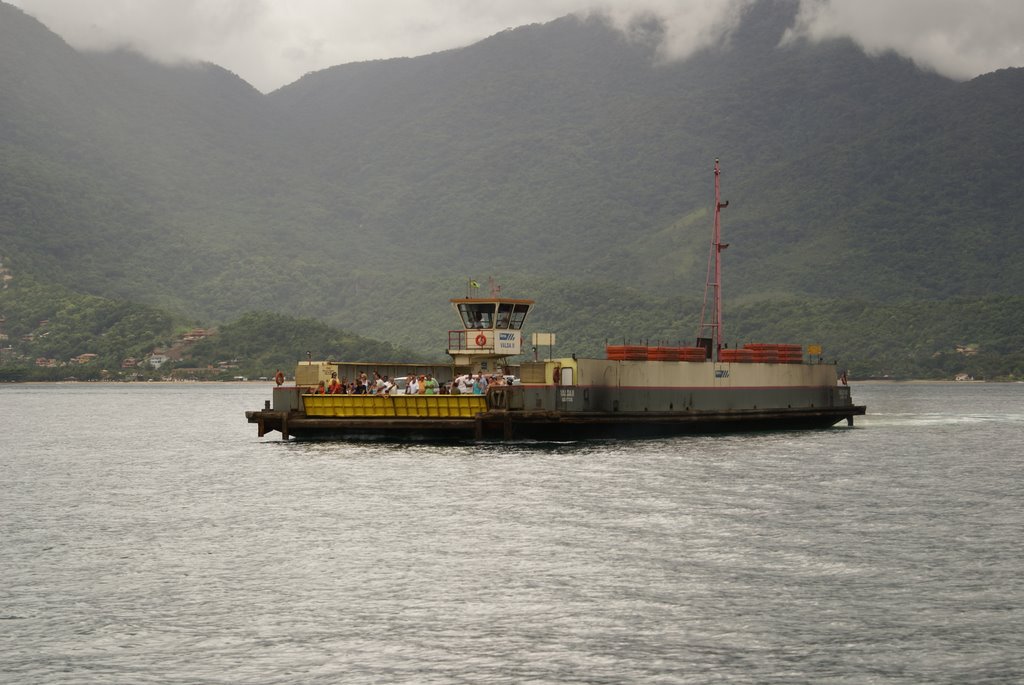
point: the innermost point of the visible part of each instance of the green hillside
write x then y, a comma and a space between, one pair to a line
50, 333
560, 158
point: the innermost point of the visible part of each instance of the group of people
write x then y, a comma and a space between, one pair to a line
424, 384
475, 384
361, 385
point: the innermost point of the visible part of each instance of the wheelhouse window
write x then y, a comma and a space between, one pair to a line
500, 315
504, 315
477, 315
519, 312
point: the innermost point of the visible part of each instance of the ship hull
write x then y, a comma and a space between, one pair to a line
546, 426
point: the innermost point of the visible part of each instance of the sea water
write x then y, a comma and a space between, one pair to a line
148, 535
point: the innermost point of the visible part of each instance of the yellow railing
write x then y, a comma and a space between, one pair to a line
415, 406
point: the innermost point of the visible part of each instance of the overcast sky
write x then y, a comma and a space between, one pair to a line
270, 43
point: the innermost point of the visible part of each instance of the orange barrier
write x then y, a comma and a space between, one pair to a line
658, 354
776, 353
626, 352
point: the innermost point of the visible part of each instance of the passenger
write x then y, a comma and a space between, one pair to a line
359, 389
430, 385
332, 389
413, 388
321, 389
422, 386
465, 384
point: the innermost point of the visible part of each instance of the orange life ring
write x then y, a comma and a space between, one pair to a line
481, 339
556, 375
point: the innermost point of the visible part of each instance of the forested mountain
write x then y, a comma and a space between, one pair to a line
564, 159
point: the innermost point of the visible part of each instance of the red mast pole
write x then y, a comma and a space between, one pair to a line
714, 279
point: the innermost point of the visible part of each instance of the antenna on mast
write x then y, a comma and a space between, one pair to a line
709, 336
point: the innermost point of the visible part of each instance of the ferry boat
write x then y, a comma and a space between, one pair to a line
635, 391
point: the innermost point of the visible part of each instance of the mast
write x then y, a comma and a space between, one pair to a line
709, 335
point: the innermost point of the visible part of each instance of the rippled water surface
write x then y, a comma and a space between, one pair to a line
147, 535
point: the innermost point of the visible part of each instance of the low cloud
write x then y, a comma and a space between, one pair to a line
688, 25
955, 38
